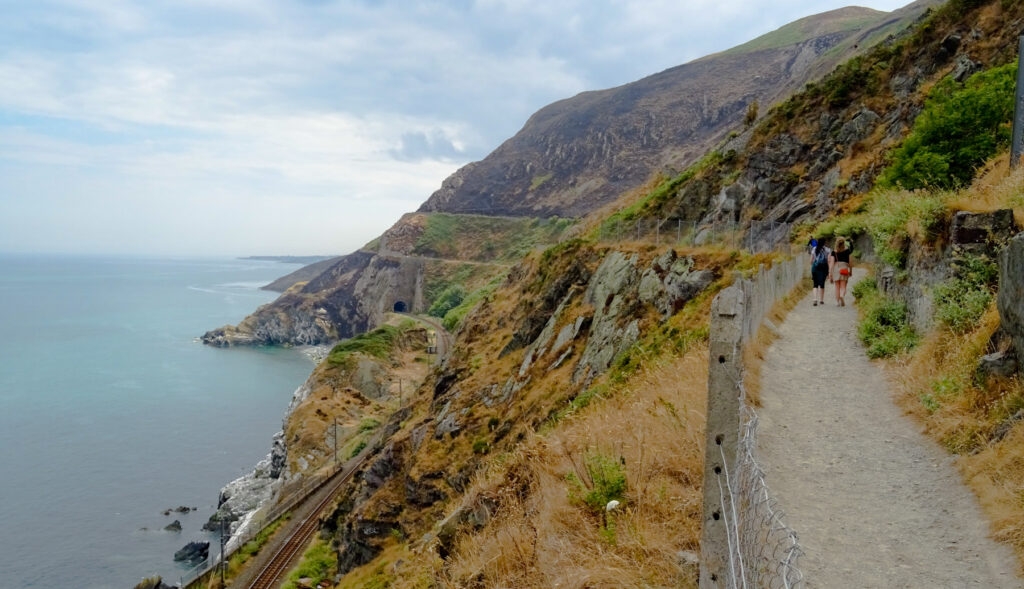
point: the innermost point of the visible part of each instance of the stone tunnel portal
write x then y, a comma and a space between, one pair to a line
400, 307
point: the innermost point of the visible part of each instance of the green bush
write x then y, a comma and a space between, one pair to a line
962, 126
960, 302
455, 316
883, 326
481, 446
315, 564
368, 424
606, 482
378, 342
357, 449
449, 298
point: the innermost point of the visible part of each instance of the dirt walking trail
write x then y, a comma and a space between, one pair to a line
874, 502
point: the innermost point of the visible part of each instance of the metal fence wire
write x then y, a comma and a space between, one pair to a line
763, 550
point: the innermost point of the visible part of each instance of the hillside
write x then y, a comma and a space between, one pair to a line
570, 159
578, 154
578, 376
581, 377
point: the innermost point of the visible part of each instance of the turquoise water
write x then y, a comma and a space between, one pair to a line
110, 412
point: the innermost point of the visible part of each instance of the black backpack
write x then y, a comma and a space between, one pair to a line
821, 257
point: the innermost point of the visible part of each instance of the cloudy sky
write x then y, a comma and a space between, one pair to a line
233, 127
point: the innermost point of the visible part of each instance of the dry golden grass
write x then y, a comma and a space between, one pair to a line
997, 187
937, 384
539, 537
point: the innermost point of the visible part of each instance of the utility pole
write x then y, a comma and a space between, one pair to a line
223, 541
335, 439
1018, 110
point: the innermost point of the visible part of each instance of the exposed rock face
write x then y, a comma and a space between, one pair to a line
153, 583
580, 153
671, 281
244, 495
1011, 292
349, 298
1001, 364
982, 233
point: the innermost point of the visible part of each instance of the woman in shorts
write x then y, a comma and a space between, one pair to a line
840, 269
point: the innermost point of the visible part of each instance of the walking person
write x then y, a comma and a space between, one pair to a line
840, 269
820, 264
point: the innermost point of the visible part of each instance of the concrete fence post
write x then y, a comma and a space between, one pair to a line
728, 314
1018, 113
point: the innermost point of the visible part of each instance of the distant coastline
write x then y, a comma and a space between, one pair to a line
289, 259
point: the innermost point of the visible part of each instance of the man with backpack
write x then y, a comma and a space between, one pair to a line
819, 269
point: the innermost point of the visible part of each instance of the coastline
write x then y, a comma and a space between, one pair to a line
241, 499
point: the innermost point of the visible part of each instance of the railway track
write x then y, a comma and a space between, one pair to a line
286, 553
270, 576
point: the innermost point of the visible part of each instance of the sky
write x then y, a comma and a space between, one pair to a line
247, 127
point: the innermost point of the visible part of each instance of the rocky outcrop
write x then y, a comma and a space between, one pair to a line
193, 552
244, 495
612, 294
349, 298
578, 154
303, 274
982, 233
153, 583
1010, 300
671, 282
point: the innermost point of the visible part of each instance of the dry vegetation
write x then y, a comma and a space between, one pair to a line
973, 419
972, 416
349, 400
541, 536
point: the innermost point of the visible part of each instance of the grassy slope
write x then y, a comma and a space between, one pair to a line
539, 534
515, 551
841, 20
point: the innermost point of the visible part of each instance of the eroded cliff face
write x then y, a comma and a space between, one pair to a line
577, 155
349, 298
548, 334
581, 153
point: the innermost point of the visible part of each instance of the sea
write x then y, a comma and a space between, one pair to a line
111, 411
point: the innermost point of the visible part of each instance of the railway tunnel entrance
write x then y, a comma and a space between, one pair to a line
400, 307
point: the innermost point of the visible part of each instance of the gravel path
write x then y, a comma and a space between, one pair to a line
875, 503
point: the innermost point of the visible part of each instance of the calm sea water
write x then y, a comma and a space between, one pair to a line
110, 412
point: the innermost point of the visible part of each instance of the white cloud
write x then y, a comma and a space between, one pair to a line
256, 125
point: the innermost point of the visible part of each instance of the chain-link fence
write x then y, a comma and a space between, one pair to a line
765, 552
753, 236
745, 543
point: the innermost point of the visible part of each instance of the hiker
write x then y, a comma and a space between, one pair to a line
819, 269
840, 270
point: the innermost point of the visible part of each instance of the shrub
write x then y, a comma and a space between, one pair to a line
961, 301
449, 298
883, 327
315, 564
455, 316
962, 126
378, 342
357, 449
481, 446
605, 480
368, 424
